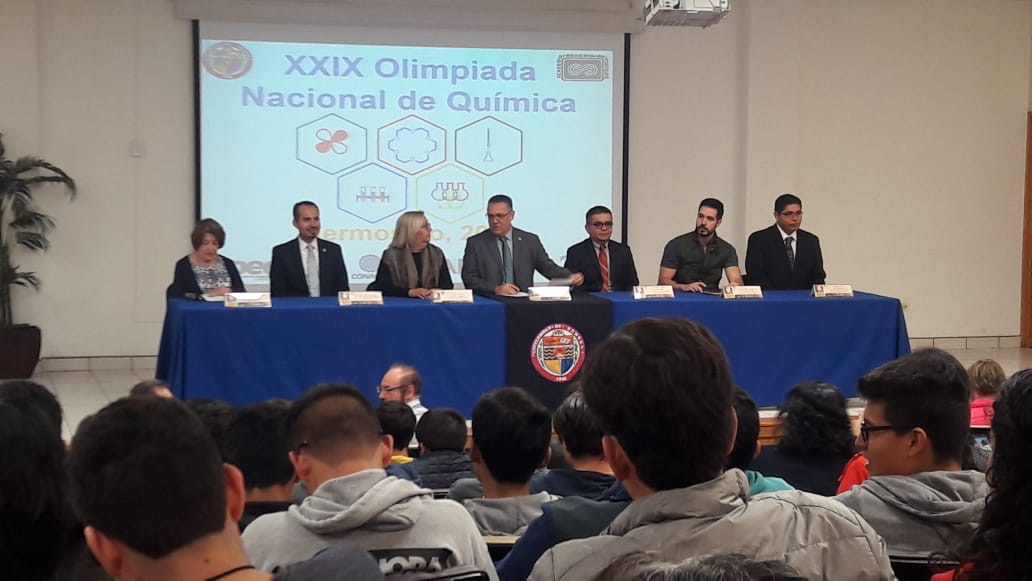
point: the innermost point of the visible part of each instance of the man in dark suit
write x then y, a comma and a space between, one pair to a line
783, 257
307, 266
605, 263
502, 259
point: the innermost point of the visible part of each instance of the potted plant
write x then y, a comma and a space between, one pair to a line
21, 223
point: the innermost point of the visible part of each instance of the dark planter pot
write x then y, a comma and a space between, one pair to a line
19, 351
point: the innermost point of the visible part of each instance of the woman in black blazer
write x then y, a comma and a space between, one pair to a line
204, 271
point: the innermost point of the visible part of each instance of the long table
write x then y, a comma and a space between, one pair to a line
248, 355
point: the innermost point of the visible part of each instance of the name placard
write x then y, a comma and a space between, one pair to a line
659, 291
550, 293
821, 291
348, 298
452, 296
248, 300
743, 292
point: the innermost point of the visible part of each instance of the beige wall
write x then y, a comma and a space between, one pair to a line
901, 125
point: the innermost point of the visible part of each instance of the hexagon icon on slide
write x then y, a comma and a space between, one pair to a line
412, 144
450, 193
372, 192
332, 144
489, 145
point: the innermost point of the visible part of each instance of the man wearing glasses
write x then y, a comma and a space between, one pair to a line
403, 383
783, 257
501, 260
605, 264
913, 435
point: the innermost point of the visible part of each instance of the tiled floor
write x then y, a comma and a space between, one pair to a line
82, 393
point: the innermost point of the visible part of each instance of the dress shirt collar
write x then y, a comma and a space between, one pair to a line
794, 235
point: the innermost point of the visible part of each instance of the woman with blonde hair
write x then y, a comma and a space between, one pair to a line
411, 266
986, 377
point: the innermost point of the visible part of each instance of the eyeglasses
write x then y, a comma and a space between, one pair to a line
498, 216
387, 389
866, 429
300, 445
601, 225
426, 226
798, 214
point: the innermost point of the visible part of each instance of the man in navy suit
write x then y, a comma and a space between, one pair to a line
783, 257
605, 263
501, 260
307, 266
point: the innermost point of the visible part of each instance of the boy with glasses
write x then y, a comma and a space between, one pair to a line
913, 435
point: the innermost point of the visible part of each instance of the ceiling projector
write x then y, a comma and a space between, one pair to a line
700, 13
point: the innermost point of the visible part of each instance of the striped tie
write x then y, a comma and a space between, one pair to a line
790, 253
603, 265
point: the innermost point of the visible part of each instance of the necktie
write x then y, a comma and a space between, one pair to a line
603, 265
313, 272
507, 276
790, 253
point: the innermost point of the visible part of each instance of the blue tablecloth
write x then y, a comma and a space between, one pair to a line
788, 336
250, 355
247, 355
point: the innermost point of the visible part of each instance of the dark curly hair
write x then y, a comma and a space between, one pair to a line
999, 549
814, 421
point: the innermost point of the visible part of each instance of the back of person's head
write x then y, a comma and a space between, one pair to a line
578, 427
659, 385
36, 523
255, 441
714, 204
333, 422
928, 389
815, 421
398, 420
145, 472
29, 394
215, 415
986, 377
511, 431
442, 429
748, 433
642, 566
151, 387
1000, 547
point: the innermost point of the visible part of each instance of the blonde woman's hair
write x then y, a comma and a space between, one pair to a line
986, 376
405, 229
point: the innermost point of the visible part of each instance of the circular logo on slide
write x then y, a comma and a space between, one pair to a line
227, 60
558, 352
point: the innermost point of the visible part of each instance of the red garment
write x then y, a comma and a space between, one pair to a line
854, 473
982, 411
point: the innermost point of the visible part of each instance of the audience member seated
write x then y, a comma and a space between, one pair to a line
914, 433
854, 473
442, 438
338, 451
659, 385
511, 431
398, 421
157, 501
39, 536
403, 383
255, 441
205, 271
580, 436
816, 439
747, 445
642, 566
215, 415
986, 376
151, 387
1000, 546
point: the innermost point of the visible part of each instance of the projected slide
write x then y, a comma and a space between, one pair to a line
368, 132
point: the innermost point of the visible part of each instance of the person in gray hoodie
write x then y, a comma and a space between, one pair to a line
511, 432
339, 453
913, 434
668, 381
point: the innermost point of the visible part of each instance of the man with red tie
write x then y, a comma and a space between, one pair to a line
606, 264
